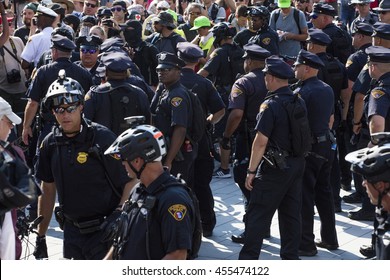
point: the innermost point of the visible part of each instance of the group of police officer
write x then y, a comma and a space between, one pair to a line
102, 208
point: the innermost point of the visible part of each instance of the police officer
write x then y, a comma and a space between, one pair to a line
213, 109
322, 17
372, 165
316, 190
379, 103
89, 47
61, 50
264, 36
109, 103
274, 187
334, 74
171, 113
158, 219
362, 87
90, 186
247, 94
220, 67
364, 13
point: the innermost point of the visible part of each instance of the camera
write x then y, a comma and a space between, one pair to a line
13, 76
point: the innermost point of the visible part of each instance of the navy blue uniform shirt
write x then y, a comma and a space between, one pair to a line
272, 120
79, 176
356, 62
171, 107
208, 95
379, 103
247, 94
169, 222
319, 99
268, 39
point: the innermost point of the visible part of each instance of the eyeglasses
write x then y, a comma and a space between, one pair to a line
162, 9
88, 50
195, 13
118, 9
90, 5
62, 110
164, 70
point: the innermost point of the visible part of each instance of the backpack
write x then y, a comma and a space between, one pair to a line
341, 45
214, 11
236, 62
198, 122
300, 136
123, 105
332, 74
296, 18
197, 233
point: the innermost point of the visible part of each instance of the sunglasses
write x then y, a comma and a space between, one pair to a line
118, 9
62, 110
303, 1
162, 9
88, 50
164, 70
90, 5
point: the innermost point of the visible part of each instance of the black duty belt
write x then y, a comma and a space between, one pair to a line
87, 225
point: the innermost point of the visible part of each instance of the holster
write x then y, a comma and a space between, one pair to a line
59, 216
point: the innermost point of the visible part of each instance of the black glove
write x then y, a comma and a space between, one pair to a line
110, 226
40, 251
225, 143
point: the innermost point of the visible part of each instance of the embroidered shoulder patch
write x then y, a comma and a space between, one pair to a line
263, 106
266, 41
377, 93
348, 63
176, 101
178, 211
236, 92
87, 97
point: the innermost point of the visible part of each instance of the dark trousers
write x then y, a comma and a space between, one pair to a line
185, 167
273, 190
79, 246
241, 163
203, 173
317, 191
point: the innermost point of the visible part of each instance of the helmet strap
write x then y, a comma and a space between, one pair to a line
137, 173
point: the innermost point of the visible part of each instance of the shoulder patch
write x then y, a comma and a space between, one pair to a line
348, 63
236, 92
213, 54
178, 211
87, 97
377, 93
365, 67
263, 106
176, 101
266, 41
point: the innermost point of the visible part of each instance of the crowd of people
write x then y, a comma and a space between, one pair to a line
107, 104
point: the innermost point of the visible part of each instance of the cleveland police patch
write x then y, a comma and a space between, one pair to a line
266, 41
236, 92
178, 211
348, 63
377, 93
176, 101
263, 106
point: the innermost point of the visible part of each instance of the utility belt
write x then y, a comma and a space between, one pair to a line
87, 225
276, 158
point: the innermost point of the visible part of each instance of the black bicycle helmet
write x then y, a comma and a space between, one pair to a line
144, 141
63, 91
223, 30
259, 11
372, 163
